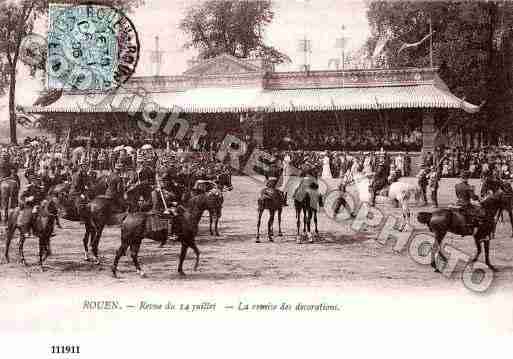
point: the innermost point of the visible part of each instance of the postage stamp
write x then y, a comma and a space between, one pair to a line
90, 47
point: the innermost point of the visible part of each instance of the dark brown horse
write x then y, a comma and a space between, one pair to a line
271, 199
307, 201
41, 223
492, 185
209, 195
442, 221
137, 226
95, 213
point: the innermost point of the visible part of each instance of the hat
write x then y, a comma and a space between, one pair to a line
465, 175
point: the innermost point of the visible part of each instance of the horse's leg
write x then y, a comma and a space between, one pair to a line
183, 253
119, 253
9, 235
437, 249
42, 249
478, 247
210, 217
96, 242
218, 216
134, 252
20, 247
315, 222
298, 220
510, 214
310, 215
260, 211
85, 240
194, 247
487, 255
305, 220
406, 214
280, 234
270, 225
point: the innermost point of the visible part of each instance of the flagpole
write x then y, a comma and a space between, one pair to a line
431, 42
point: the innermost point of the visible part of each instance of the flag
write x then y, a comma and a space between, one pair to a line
415, 44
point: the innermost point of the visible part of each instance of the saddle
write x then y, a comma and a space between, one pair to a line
269, 194
474, 216
157, 222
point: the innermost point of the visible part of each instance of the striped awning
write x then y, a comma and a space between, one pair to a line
215, 100
377, 98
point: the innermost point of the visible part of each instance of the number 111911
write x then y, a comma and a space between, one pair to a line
65, 349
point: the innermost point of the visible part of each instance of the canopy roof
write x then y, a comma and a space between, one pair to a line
224, 84
215, 100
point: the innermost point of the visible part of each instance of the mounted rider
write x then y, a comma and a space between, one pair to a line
145, 177
79, 185
161, 192
32, 194
115, 187
465, 194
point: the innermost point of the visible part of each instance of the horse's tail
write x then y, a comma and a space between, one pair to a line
424, 217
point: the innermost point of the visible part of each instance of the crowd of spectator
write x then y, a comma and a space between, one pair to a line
453, 161
336, 138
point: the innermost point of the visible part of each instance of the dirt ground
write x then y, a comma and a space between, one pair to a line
343, 262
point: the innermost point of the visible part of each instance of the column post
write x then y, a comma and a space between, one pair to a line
428, 132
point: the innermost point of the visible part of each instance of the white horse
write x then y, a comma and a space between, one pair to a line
398, 192
401, 193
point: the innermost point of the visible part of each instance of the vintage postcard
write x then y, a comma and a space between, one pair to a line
285, 177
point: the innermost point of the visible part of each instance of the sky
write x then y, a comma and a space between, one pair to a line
321, 20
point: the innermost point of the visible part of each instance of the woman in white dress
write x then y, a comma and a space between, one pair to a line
326, 170
367, 166
286, 170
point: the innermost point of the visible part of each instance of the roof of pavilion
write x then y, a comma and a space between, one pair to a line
225, 84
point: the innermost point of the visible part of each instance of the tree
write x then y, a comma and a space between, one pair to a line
471, 45
17, 18
16, 21
232, 27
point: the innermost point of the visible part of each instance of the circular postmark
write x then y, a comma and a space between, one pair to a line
33, 50
90, 47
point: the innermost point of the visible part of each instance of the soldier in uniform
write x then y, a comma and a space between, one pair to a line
434, 183
146, 177
395, 175
79, 185
341, 201
465, 193
115, 187
422, 181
